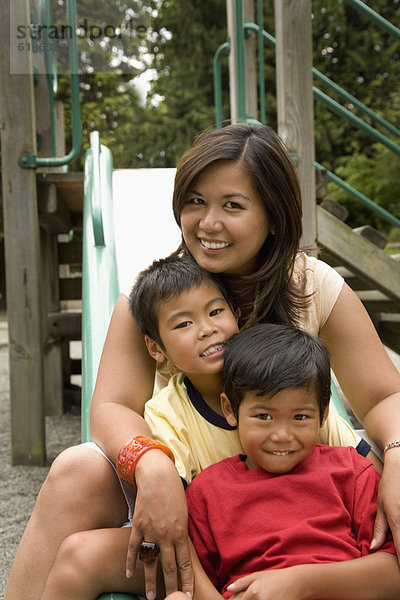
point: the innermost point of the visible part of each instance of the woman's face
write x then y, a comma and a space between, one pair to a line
223, 221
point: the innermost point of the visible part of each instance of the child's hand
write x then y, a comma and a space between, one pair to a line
275, 584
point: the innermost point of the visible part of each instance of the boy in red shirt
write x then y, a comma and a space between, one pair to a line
290, 519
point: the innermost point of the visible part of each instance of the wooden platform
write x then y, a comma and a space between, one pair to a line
69, 186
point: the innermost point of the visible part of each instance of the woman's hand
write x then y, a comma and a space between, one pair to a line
388, 511
160, 516
275, 584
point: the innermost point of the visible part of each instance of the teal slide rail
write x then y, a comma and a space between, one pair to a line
100, 278
100, 287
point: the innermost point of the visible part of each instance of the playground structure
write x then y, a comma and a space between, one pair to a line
43, 201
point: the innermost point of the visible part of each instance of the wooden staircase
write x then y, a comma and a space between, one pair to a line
358, 255
60, 206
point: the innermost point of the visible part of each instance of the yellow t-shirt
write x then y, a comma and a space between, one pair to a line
179, 418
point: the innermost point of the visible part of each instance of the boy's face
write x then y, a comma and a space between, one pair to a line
277, 432
194, 328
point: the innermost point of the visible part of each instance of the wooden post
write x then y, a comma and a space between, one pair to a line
22, 248
295, 98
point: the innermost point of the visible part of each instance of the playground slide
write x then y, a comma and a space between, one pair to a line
127, 223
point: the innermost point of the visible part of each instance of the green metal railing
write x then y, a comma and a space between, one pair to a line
243, 28
32, 160
374, 17
360, 197
100, 287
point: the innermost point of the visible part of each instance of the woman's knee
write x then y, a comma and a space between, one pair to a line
82, 479
74, 566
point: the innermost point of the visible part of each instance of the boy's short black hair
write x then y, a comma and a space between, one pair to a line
164, 279
269, 358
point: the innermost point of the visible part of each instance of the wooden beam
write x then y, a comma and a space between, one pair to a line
295, 98
67, 325
376, 302
359, 255
52, 350
69, 186
53, 213
388, 328
70, 288
70, 253
354, 281
23, 274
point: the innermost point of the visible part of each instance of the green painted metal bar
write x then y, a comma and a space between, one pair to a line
239, 38
31, 160
100, 281
349, 98
333, 86
348, 115
375, 17
118, 596
100, 287
95, 197
265, 35
338, 404
387, 216
51, 68
261, 75
221, 51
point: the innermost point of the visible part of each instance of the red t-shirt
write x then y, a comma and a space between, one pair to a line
245, 520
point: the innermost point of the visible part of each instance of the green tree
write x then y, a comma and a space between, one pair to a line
364, 60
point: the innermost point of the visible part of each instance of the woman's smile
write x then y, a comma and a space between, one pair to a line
214, 244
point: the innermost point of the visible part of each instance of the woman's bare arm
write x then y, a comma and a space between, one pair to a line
371, 383
124, 383
362, 366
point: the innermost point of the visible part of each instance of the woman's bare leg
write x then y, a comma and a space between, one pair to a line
91, 563
81, 492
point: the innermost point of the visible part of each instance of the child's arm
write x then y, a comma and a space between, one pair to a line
372, 577
203, 588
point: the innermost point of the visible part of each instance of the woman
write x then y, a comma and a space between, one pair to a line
237, 201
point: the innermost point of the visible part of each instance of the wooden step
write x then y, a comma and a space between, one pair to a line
336, 209
54, 215
71, 288
376, 302
69, 186
354, 281
372, 234
66, 325
388, 328
70, 253
359, 255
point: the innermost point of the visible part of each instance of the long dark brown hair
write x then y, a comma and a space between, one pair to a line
274, 296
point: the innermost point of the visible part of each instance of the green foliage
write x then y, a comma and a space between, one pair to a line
364, 60
376, 176
180, 43
181, 101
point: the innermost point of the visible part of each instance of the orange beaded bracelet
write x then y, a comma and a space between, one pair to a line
130, 453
